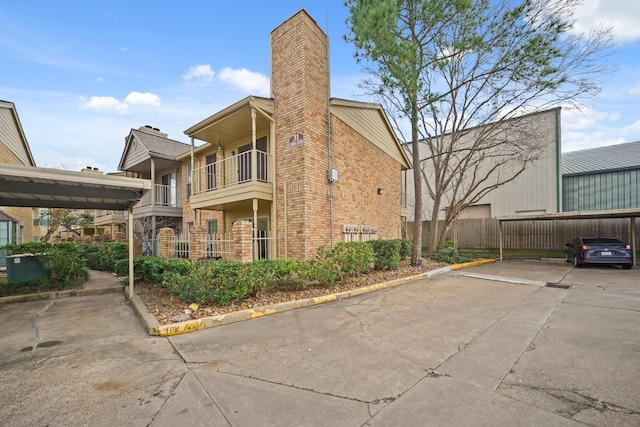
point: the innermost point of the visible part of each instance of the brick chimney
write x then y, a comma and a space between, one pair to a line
300, 88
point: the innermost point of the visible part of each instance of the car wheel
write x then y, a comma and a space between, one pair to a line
627, 266
566, 257
576, 263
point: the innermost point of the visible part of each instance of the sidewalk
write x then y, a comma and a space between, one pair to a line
100, 282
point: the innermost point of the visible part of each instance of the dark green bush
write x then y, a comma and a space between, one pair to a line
406, 247
344, 259
151, 269
226, 282
105, 256
450, 255
386, 254
215, 281
121, 267
110, 252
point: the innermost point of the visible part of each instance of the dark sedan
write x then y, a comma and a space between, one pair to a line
598, 250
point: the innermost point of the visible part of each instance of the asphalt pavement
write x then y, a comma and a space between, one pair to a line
509, 343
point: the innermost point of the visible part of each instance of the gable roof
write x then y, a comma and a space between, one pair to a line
149, 142
370, 121
12, 135
601, 159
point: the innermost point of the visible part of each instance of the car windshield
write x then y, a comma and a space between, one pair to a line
602, 241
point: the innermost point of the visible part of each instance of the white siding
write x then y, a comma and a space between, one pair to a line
11, 136
534, 190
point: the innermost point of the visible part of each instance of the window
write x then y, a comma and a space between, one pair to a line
212, 226
189, 181
211, 171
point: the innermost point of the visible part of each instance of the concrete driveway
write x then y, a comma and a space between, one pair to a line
489, 346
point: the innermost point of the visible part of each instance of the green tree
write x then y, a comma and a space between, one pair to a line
446, 66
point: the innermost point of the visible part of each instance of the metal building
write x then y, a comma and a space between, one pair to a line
602, 178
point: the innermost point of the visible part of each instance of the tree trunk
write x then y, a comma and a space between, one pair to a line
416, 253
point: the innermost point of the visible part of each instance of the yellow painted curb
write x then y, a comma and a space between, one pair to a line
471, 263
252, 313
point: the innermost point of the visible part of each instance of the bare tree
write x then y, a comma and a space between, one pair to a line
449, 66
143, 228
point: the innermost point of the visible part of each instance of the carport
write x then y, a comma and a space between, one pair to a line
33, 187
631, 214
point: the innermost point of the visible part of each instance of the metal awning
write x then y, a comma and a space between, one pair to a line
632, 214
33, 187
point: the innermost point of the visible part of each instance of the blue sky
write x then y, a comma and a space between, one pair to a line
83, 73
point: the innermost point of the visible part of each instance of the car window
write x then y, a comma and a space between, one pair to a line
602, 241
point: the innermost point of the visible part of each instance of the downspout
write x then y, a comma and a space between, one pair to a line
193, 175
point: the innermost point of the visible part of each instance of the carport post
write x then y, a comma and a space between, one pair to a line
633, 238
500, 237
130, 226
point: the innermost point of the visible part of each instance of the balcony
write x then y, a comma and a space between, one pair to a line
103, 217
165, 203
234, 179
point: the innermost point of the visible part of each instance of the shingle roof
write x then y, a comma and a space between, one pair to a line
613, 157
161, 146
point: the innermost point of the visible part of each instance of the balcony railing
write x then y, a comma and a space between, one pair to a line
232, 171
165, 195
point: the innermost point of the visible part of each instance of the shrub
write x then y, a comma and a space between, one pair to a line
344, 259
110, 252
105, 256
225, 282
152, 269
450, 255
386, 254
406, 246
216, 281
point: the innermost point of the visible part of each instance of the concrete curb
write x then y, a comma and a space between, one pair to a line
511, 280
154, 327
61, 294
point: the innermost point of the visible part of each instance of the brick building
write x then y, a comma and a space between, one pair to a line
304, 169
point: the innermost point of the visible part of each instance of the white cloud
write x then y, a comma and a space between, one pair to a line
622, 15
105, 103
635, 91
146, 99
246, 80
113, 105
99, 79
584, 118
589, 128
202, 73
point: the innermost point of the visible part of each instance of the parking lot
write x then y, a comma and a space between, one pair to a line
510, 343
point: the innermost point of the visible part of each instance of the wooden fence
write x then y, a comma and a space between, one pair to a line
544, 235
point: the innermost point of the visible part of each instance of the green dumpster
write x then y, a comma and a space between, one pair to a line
25, 268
